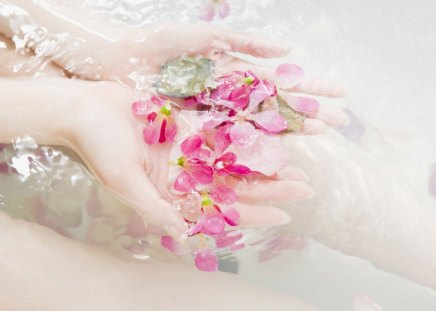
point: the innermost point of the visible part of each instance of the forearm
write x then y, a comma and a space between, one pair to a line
41, 270
80, 43
41, 108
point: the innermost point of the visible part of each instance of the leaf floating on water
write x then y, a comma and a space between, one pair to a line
295, 119
185, 77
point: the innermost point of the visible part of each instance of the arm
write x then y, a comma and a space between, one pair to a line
41, 270
363, 209
100, 49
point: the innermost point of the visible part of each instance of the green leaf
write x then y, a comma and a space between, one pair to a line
185, 76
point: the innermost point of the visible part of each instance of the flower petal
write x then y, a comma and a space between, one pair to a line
184, 182
171, 130
239, 169
191, 144
213, 221
206, 260
270, 121
231, 216
243, 134
223, 194
173, 246
140, 108
151, 133
202, 174
263, 90
207, 11
224, 9
267, 155
289, 75
222, 139
228, 238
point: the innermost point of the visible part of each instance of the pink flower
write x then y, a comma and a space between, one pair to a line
210, 7
237, 100
234, 90
195, 170
156, 113
214, 219
206, 260
289, 75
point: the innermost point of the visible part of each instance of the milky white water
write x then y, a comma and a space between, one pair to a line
382, 52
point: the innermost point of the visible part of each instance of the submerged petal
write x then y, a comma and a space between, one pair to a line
213, 220
224, 9
289, 75
202, 174
207, 11
222, 138
227, 239
191, 144
184, 182
270, 121
151, 133
243, 134
231, 215
206, 260
223, 194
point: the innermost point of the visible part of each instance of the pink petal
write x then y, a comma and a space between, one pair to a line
270, 121
191, 144
243, 134
207, 11
365, 303
173, 246
240, 169
227, 159
223, 194
307, 106
226, 239
240, 96
190, 207
267, 155
224, 9
184, 182
263, 90
152, 133
202, 174
140, 108
289, 75
237, 247
171, 130
222, 138
213, 221
231, 216
206, 260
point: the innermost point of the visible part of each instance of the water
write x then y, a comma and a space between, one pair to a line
382, 52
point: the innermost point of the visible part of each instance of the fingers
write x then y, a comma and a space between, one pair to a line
261, 216
318, 87
115, 158
248, 43
309, 86
316, 114
273, 191
291, 172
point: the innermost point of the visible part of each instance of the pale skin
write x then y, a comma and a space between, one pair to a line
327, 232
